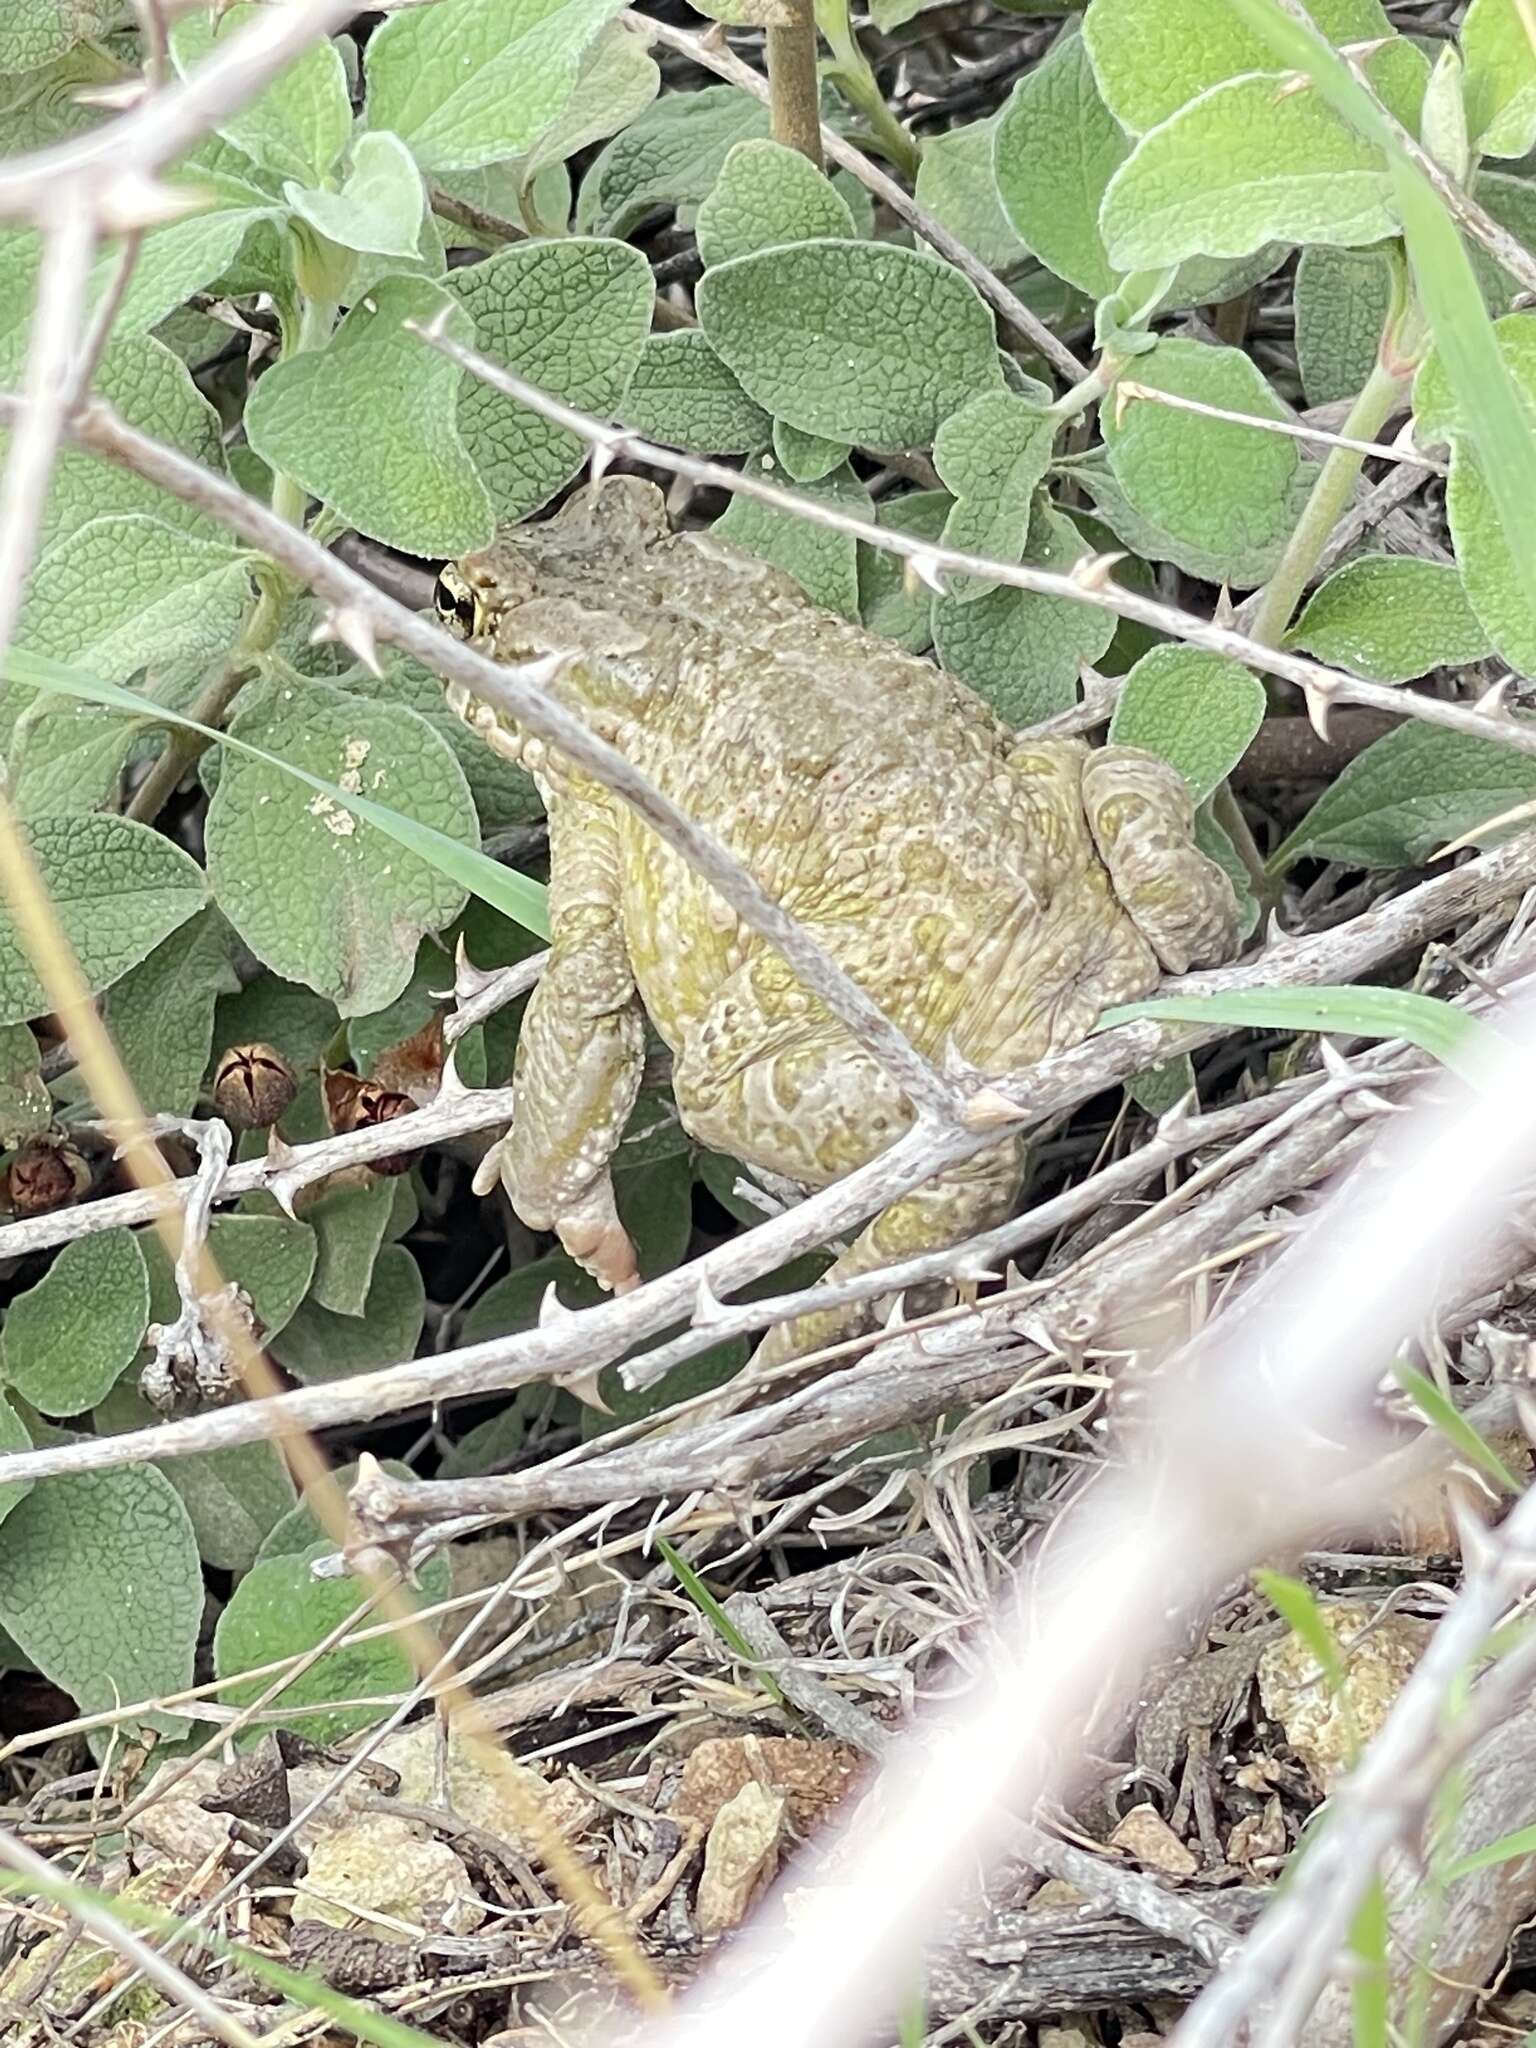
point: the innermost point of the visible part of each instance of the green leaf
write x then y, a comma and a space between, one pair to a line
1408, 794
1019, 650
1500, 83
892, 601
1459, 1040
129, 589
1151, 56
1216, 484
671, 156
299, 126
69, 1338
822, 561
1057, 147
682, 393
25, 1105
1370, 1986
992, 454
1252, 161
515, 895
318, 894
806, 458
571, 315
380, 206
1198, 710
1438, 1409
1159, 1089
767, 196
349, 1225
619, 79
270, 1258
161, 1013
319, 1345
504, 794
1391, 617
280, 1609
367, 423
66, 759
14, 1437
859, 341
34, 32
955, 183
1297, 1607
470, 82
720, 1622
118, 889
101, 1587
1343, 297
1243, 568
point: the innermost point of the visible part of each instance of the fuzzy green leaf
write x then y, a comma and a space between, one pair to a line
1215, 483
619, 79
129, 589
766, 196
1391, 617
1019, 650
671, 156
1408, 794
25, 1105
1198, 710
470, 82
299, 126
161, 1013
955, 183
14, 1437
822, 561
349, 1225
992, 454
571, 315
67, 1340
682, 393
118, 889
891, 600
318, 894
1342, 300
320, 1345
1500, 83
270, 1258
858, 341
101, 1587
1057, 148
368, 423
1152, 56
34, 32
380, 206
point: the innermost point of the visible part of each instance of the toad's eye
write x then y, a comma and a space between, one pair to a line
458, 607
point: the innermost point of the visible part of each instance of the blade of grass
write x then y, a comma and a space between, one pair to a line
716, 1615
1295, 1605
1458, 1040
1370, 1985
1501, 434
514, 895
1438, 1409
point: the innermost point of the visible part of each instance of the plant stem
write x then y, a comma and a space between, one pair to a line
794, 90
1329, 499
183, 748
850, 72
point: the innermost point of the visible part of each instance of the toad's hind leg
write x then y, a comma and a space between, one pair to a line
580, 1053
944, 1211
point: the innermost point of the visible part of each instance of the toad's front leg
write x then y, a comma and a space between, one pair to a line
580, 1052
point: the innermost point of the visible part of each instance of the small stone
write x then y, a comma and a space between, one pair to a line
1324, 1729
378, 1865
1259, 1839
740, 1857
1056, 1895
1068, 2037
1144, 1834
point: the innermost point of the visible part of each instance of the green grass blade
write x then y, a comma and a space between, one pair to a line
1462, 1042
1295, 1605
1521, 1843
516, 896
716, 1615
1443, 1413
1370, 1982
1501, 433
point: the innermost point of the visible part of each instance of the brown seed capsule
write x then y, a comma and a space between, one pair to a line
352, 1104
46, 1173
252, 1086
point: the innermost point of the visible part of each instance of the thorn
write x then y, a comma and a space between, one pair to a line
1319, 695
1173, 1122
450, 1082
1335, 1062
279, 1161
585, 1386
926, 569
1274, 931
1225, 612
1525, 1409
552, 1310
1361, 1103
973, 1273
707, 1305
1480, 1553
1491, 703
988, 1109
351, 626
117, 97
435, 329
1093, 572
468, 979
1296, 82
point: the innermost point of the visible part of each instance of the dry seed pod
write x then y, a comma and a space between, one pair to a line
352, 1104
46, 1173
252, 1086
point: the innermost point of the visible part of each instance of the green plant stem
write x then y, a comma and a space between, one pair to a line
317, 317
182, 748
1329, 499
794, 90
850, 72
